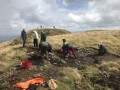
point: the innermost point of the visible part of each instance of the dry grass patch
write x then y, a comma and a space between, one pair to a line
69, 76
90, 39
89, 71
110, 66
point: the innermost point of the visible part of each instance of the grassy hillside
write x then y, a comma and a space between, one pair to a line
81, 77
111, 39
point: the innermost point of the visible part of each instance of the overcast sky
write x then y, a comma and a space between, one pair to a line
73, 15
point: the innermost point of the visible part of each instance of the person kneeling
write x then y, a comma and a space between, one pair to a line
102, 49
66, 48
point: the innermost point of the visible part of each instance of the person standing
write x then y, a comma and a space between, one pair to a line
43, 37
35, 38
24, 37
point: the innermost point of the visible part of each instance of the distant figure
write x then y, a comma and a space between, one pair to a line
43, 37
66, 47
24, 37
54, 27
35, 39
102, 49
45, 48
40, 26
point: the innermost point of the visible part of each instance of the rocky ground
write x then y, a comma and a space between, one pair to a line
86, 56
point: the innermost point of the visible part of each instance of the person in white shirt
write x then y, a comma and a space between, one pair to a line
35, 39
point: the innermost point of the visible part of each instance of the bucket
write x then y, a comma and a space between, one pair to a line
26, 64
70, 52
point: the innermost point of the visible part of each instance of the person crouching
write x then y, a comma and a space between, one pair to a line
45, 48
102, 49
66, 48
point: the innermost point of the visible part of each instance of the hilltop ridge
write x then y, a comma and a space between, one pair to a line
50, 31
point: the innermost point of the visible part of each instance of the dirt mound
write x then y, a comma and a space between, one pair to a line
88, 56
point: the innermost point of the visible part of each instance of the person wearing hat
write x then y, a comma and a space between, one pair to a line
102, 49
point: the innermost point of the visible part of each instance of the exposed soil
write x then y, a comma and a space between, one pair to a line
87, 56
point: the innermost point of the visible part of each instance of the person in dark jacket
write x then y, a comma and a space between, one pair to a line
102, 49
66, 48
24, 37
45, 48
43, 37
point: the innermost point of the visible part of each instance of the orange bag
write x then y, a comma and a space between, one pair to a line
26, 84
22, 85
34, 81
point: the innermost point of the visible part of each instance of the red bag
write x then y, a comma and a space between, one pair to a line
26, 64
70, 52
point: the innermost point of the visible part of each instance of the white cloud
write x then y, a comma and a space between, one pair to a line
74, 17
84, 18
100, 14
93, 17
18, 14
